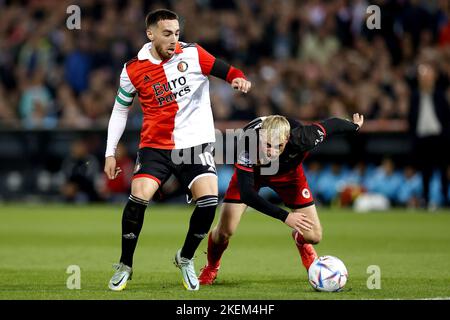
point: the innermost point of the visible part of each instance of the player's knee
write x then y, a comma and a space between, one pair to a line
142, 193
314, 237
144, 189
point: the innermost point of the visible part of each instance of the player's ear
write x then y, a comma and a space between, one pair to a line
150, 35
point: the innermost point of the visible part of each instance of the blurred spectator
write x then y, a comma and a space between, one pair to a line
312, 172
224, 174
80, 170
78, 64
36, 105
71, 115
429, 119
410, 191
330, 183
34, 54
359, 175
437, 195
243, 108
416, 19
321, 44
354, 184
308, 59
385, 180
8, 116
118, 190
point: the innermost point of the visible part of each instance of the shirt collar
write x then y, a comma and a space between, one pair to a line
144, 53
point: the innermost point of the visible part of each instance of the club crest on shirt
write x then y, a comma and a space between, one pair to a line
244, 158
305, 193
182, 66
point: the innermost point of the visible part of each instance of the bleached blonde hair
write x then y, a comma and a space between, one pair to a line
277, 125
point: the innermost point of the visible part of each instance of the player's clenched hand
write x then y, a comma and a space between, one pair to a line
241, 84
299, 221
110, 168
358, 119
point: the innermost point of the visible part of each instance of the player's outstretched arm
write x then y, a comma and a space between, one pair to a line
308, 137
211, 65
333, 126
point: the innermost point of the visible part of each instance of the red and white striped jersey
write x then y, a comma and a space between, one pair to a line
174, 96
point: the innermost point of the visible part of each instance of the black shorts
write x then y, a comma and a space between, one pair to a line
186, 164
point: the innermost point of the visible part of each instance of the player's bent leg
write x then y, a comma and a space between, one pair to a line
132, 221
313, 236
218, 239
205, 185
204, 191
230, 216
305, 242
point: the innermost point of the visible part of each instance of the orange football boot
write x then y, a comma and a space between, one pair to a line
207, 275
306, 250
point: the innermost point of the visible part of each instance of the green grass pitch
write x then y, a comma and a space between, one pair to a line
39, 242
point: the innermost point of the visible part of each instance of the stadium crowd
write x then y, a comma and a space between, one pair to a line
306, 59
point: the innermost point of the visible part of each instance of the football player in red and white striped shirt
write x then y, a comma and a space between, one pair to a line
170, 79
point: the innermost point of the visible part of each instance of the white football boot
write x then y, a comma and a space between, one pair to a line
120, 278
190, 280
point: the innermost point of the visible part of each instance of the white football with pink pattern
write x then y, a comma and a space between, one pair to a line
327, 273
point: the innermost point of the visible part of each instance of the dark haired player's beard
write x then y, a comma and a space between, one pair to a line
163, 54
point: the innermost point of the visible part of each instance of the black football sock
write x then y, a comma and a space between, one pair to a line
199, 225
132, 221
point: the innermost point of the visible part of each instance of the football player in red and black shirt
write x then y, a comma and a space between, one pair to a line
285, 143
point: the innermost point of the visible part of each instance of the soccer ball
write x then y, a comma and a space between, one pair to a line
327, 273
